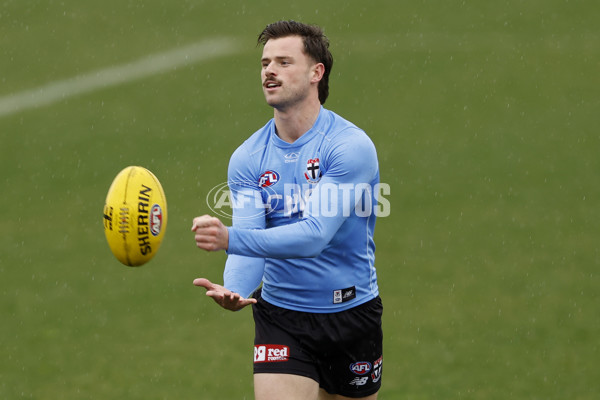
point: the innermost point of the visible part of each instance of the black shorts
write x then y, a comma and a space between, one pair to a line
341, 351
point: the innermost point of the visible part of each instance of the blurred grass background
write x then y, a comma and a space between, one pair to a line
485, 116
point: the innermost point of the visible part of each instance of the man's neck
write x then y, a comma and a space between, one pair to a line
292, 124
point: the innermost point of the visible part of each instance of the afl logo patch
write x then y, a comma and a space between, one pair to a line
361, 367
268, 178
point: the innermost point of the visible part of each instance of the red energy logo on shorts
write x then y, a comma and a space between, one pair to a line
271, 353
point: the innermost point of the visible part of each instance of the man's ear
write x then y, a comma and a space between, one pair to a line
318, 71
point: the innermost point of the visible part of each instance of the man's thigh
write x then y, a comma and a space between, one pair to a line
284, 387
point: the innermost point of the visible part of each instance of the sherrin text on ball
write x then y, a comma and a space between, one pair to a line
135, 216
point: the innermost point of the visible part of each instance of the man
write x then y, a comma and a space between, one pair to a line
308, 238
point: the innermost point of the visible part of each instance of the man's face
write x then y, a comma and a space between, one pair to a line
286, 73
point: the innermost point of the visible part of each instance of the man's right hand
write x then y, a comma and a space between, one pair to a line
222, 296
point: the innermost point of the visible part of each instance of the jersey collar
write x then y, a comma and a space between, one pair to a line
305, 138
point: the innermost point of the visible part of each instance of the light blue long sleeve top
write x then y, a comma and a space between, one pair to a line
303, 217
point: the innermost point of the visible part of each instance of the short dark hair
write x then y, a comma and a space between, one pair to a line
316, 46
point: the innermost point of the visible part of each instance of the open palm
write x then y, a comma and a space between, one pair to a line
222, 296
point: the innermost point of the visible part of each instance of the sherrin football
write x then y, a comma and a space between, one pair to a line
135, 216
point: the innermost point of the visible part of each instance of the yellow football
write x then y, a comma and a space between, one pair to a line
135, 216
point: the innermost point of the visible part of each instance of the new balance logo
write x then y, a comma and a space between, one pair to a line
359, 381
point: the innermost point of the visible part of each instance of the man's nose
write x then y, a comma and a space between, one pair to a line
269, 70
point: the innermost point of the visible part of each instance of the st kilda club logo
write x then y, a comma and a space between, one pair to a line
313, 172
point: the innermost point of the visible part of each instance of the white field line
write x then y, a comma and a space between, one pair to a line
112, 76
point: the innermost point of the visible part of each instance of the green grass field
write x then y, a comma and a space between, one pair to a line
485, 116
